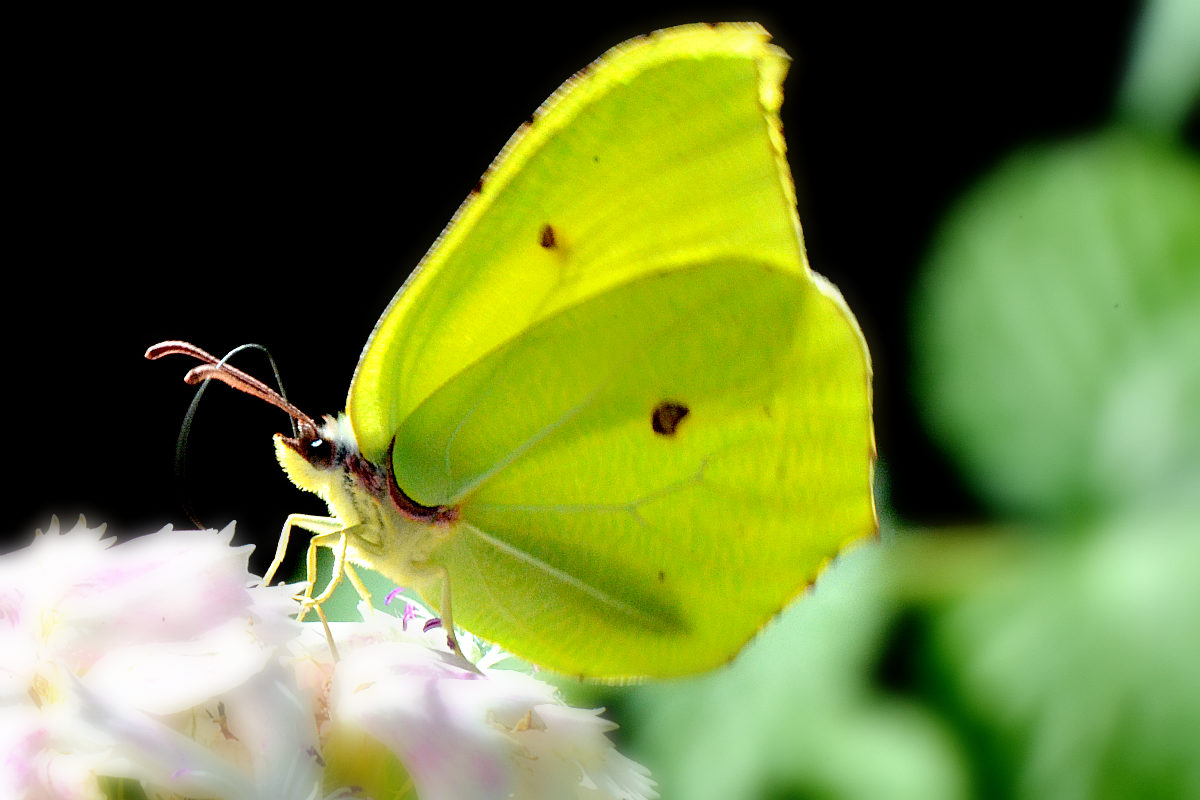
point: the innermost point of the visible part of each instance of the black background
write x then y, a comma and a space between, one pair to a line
226, 178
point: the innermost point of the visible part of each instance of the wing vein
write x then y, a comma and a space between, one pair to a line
629, 506
563, 577
523, 447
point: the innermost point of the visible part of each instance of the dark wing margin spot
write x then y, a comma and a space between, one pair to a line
547, 240
667, 416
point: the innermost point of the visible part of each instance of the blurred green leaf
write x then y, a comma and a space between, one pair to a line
795, 715
1057, 326
1081, 663
1163, 79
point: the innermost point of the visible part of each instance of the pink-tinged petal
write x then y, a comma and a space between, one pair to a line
131, 743
64, 776
166, 586
272, 720
23, 736
171, 585
405, 696
170, 677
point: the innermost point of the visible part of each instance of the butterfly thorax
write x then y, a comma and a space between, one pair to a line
385, 529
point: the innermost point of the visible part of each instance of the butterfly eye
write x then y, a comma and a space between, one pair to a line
318, 452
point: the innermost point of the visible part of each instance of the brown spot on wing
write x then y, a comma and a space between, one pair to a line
667, 416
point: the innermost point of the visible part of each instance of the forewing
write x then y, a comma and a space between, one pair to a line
666, 152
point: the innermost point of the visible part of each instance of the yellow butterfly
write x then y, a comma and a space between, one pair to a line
612, 409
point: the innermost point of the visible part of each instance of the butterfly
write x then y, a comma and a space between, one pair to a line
612, 415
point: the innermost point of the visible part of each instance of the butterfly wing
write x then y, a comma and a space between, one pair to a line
653, 419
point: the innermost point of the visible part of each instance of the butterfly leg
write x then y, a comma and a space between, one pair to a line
447, 615
423, 574
356, 582
337, 541
333, 651
308, 522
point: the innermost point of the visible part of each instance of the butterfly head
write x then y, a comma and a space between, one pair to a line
319, 456
322, 456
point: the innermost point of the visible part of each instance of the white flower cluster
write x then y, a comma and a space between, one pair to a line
163, 662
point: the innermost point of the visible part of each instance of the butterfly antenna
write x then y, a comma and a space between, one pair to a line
220, 369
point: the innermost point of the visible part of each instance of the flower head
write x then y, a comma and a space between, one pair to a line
457, 729
163, 661
111, 654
